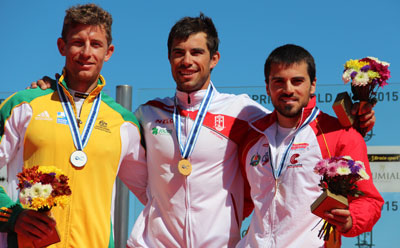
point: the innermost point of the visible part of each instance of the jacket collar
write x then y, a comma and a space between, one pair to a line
92, 95
192, 99
268, 120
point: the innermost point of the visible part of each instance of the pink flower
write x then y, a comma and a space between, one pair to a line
343, 163
321, 167
332, 170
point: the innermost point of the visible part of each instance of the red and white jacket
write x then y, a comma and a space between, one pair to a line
204, 209
282, 215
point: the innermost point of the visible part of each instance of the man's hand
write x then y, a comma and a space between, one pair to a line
44, 83
34, 225
341, 218
365, 117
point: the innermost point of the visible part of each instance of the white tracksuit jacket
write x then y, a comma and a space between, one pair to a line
204, 209
282, 217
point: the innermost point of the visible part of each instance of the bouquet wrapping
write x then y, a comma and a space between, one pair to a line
41, 189
338, 181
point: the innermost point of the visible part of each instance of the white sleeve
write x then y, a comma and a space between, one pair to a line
14, 131
133, 168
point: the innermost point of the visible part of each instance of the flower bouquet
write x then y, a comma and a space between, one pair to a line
366, 76
42, 188
339, 177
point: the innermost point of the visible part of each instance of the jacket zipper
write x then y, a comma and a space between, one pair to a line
187, 191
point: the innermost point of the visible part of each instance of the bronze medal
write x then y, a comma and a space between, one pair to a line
185, 167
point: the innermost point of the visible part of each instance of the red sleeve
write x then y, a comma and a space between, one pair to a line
365, 210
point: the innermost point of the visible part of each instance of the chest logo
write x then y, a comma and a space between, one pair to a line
293, 158
44, 116
265, 158
219, 123
299, 146
160, 131
102, 126
294, 163
255, 159
61, 119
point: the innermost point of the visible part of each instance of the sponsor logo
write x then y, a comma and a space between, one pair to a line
165, 121
299, 146
219, 123
293, 158
44, 116
265, 158
255, 160
102, 126
61, 119
160, 131
294, 162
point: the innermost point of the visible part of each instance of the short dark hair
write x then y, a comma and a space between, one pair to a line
192, 25
287, 55
89, 14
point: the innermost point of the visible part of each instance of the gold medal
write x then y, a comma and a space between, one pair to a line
185, 167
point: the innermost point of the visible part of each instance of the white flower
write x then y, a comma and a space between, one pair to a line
46, 190
24, 196
374, 58
361, 79
347, 75
378, 61
24, 193
343, 171
36, 190
347, 157
364, 175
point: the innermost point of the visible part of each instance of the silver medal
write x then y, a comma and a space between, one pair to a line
78, 158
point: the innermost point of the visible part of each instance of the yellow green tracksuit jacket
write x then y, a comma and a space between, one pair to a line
34, 131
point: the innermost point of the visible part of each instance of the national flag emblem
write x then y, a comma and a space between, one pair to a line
219, 122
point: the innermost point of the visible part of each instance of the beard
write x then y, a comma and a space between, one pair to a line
290, 111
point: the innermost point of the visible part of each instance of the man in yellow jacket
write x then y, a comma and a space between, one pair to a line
86, 137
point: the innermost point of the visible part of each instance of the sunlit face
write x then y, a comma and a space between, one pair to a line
85, 49
191, 63
290, 90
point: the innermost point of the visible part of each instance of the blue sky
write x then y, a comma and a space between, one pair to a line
333, 31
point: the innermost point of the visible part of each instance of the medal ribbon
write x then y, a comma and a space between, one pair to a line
278, 171
195, 130
80, 141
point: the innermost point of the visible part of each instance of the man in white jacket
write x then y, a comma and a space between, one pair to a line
195, 186
281, 151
